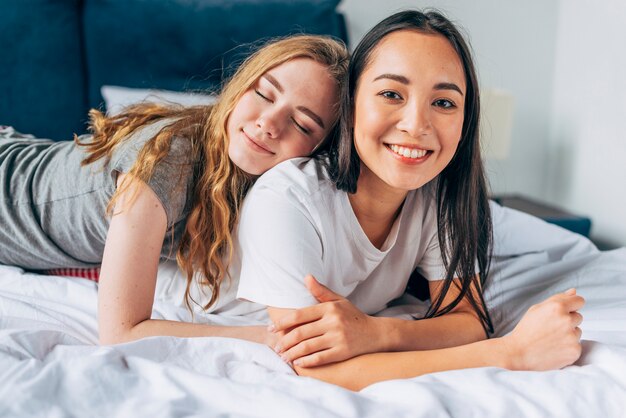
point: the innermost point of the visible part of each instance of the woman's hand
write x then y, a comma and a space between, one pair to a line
331, 331
547, 337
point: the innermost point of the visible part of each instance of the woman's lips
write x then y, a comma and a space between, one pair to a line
408, 154
256, 144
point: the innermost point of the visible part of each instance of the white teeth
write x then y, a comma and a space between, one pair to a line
408, 152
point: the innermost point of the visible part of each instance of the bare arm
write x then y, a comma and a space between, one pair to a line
459, 326
336, 330
546, 338
128, 276
362, 371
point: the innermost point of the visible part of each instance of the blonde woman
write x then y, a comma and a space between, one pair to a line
159, 182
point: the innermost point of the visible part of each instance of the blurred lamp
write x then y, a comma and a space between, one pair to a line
496, 120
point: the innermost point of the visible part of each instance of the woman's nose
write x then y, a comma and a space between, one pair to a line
415, 120
269, 123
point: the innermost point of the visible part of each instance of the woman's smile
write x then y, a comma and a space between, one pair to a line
257, 144
409, 154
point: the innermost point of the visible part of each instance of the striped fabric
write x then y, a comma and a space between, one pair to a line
85, 273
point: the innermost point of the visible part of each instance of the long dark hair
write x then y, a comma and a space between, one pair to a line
463, 215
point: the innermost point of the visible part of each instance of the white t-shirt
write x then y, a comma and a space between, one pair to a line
294, 222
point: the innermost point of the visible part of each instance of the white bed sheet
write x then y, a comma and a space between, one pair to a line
50, 365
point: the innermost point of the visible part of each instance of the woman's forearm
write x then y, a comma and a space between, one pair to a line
157, 327
460, 326
450, 330
362, 371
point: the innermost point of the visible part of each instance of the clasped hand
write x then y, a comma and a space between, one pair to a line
331, 331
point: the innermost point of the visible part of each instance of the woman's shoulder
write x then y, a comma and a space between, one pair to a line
126, 153
304, 176
143, 134
290, 200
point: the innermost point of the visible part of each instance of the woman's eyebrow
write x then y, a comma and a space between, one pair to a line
312, 115
402, 79
274, 82
396, 77
448, 86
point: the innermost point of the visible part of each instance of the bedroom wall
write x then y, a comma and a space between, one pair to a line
533, 50
587, 148
508, 56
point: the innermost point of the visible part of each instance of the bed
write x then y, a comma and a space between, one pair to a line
50, 363
49, 360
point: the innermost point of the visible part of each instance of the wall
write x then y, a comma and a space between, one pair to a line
587, 149
531, 49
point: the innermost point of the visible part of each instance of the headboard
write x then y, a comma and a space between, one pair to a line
56, 54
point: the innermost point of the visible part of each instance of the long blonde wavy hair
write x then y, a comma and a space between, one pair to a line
218, 185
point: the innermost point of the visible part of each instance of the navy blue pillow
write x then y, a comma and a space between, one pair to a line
56, 54
42, 83
187, 44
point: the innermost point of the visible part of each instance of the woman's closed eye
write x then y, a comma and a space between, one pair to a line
262, 96
300, 127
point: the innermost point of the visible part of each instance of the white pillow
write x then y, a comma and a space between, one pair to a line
117, 98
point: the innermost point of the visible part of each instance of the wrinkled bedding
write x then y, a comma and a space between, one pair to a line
50, 364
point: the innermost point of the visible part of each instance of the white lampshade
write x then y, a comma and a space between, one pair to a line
496, 121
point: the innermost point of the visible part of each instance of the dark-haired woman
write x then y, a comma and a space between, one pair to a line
403, 189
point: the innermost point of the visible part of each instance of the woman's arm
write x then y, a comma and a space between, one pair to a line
336, 330
547, 337
129, 271
362, 371
459, 326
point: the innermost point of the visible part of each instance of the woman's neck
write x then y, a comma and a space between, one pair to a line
376, 206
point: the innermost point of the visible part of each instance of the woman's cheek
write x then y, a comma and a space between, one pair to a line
305, 149
378, 121
246, 106
295, 149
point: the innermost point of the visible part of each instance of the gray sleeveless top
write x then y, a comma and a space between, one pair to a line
53, 210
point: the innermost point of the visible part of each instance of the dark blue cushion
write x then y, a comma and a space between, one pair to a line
187, 44
42, 83
579, 224
56, 54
